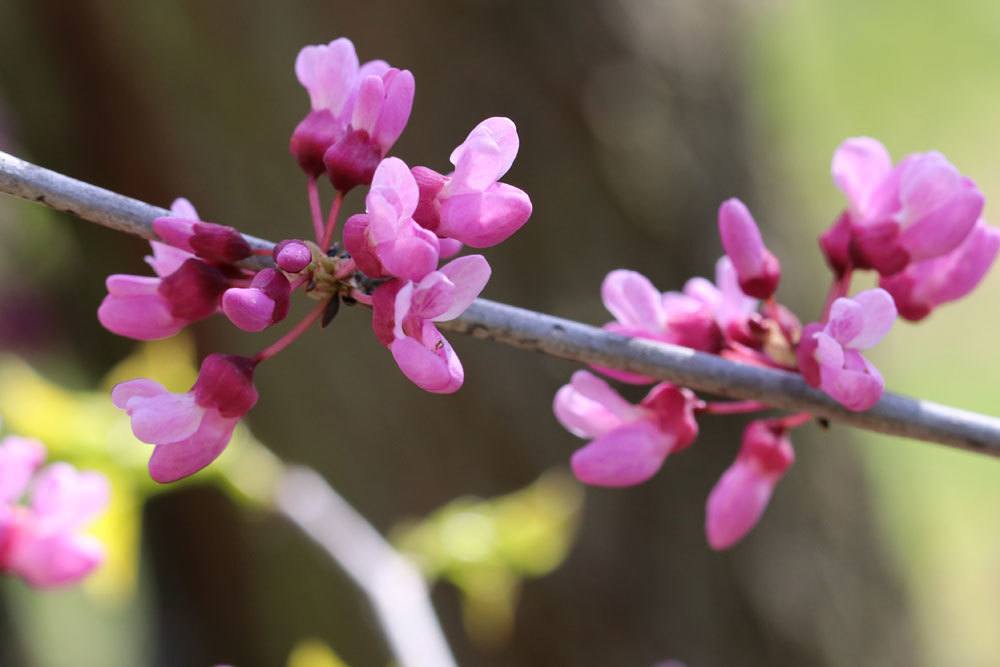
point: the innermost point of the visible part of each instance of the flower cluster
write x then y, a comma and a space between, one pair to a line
40, 538
389, 259
917, 224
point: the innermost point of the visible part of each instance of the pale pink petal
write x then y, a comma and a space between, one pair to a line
589, 408
396, 184
484, 219
165, 258
860, 164
878, 315
828, 352
142, 388
741, 238
944, 228
954, 276
64, 498
328, 73
431, 296
857, 385
47, 560
164, 418
501, 133
633, 300
846, 321
368, 105
399, 90
736, 504
401, 307
134, 308
411, 255
469, 275
430, 364
625, 456
19, 458
182, 208
174, 461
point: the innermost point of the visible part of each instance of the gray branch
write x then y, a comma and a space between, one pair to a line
566, 339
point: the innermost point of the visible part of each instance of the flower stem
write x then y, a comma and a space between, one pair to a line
290, 337
314, 208
733, 407
839, 288
796, 420
331, 220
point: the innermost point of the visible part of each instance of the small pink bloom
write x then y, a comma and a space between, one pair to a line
829, 355
405, 313
189, 430
40, 541
923, 286
134, 308
629, 442
292, 255
741, 495
262, 304
385, 241
471, 205
732, 309
920, 209
757, 269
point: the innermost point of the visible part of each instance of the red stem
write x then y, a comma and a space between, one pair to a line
839, 288
314, 208
331, 220
733, 407
290, 337
796, 420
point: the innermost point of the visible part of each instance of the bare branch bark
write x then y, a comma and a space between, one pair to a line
894, 414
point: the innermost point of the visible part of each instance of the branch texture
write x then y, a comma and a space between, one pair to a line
566, 339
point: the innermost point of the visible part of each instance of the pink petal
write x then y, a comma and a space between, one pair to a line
19, 458
165, 258
589, 408
626, 456
846, 321
498, 132
135, 308
394, 182
328, 74
954, 276
182, 208
141, 388
469, 275
633, 300
943, 229
171, 462
484, 219
741, 238
431, 296
368, 105
65, 499
47, 560
250, 309
163, 418
859, 166
432, 365
736, 504
857, 386
878, 315
399, 90
411, 255
827, 351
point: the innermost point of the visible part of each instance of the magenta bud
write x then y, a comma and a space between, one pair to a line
311, 139
262, 304
757, 269
352, 160
292, 255
176, 232
193, 290
219, 243
225, 382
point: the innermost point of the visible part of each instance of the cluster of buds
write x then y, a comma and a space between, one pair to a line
42, 513
388, 260
917, 224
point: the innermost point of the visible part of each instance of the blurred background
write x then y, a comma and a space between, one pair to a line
636, 118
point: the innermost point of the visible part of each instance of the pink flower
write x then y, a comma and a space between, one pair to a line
358, 112
829, 355
757, 269
920, 209
211, 242
471, 205
923, 286
262, 304
40, 541
732, 309
405, 313
385, 241
292, 256
629, 442
741, 495
189, 430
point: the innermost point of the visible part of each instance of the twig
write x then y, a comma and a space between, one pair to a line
392, 583
525, 329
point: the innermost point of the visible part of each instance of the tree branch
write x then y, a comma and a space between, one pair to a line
566, 339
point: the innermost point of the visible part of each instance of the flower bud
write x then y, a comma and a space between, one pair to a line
292, 255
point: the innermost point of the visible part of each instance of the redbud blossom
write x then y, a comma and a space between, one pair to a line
741, 495
189, 430
923, 286
757, 269
211, 242
405, 313
357, 113
920, 209
829, 355
470, 205
385, 241
40, 541
725, 300
262, 304
629, 442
